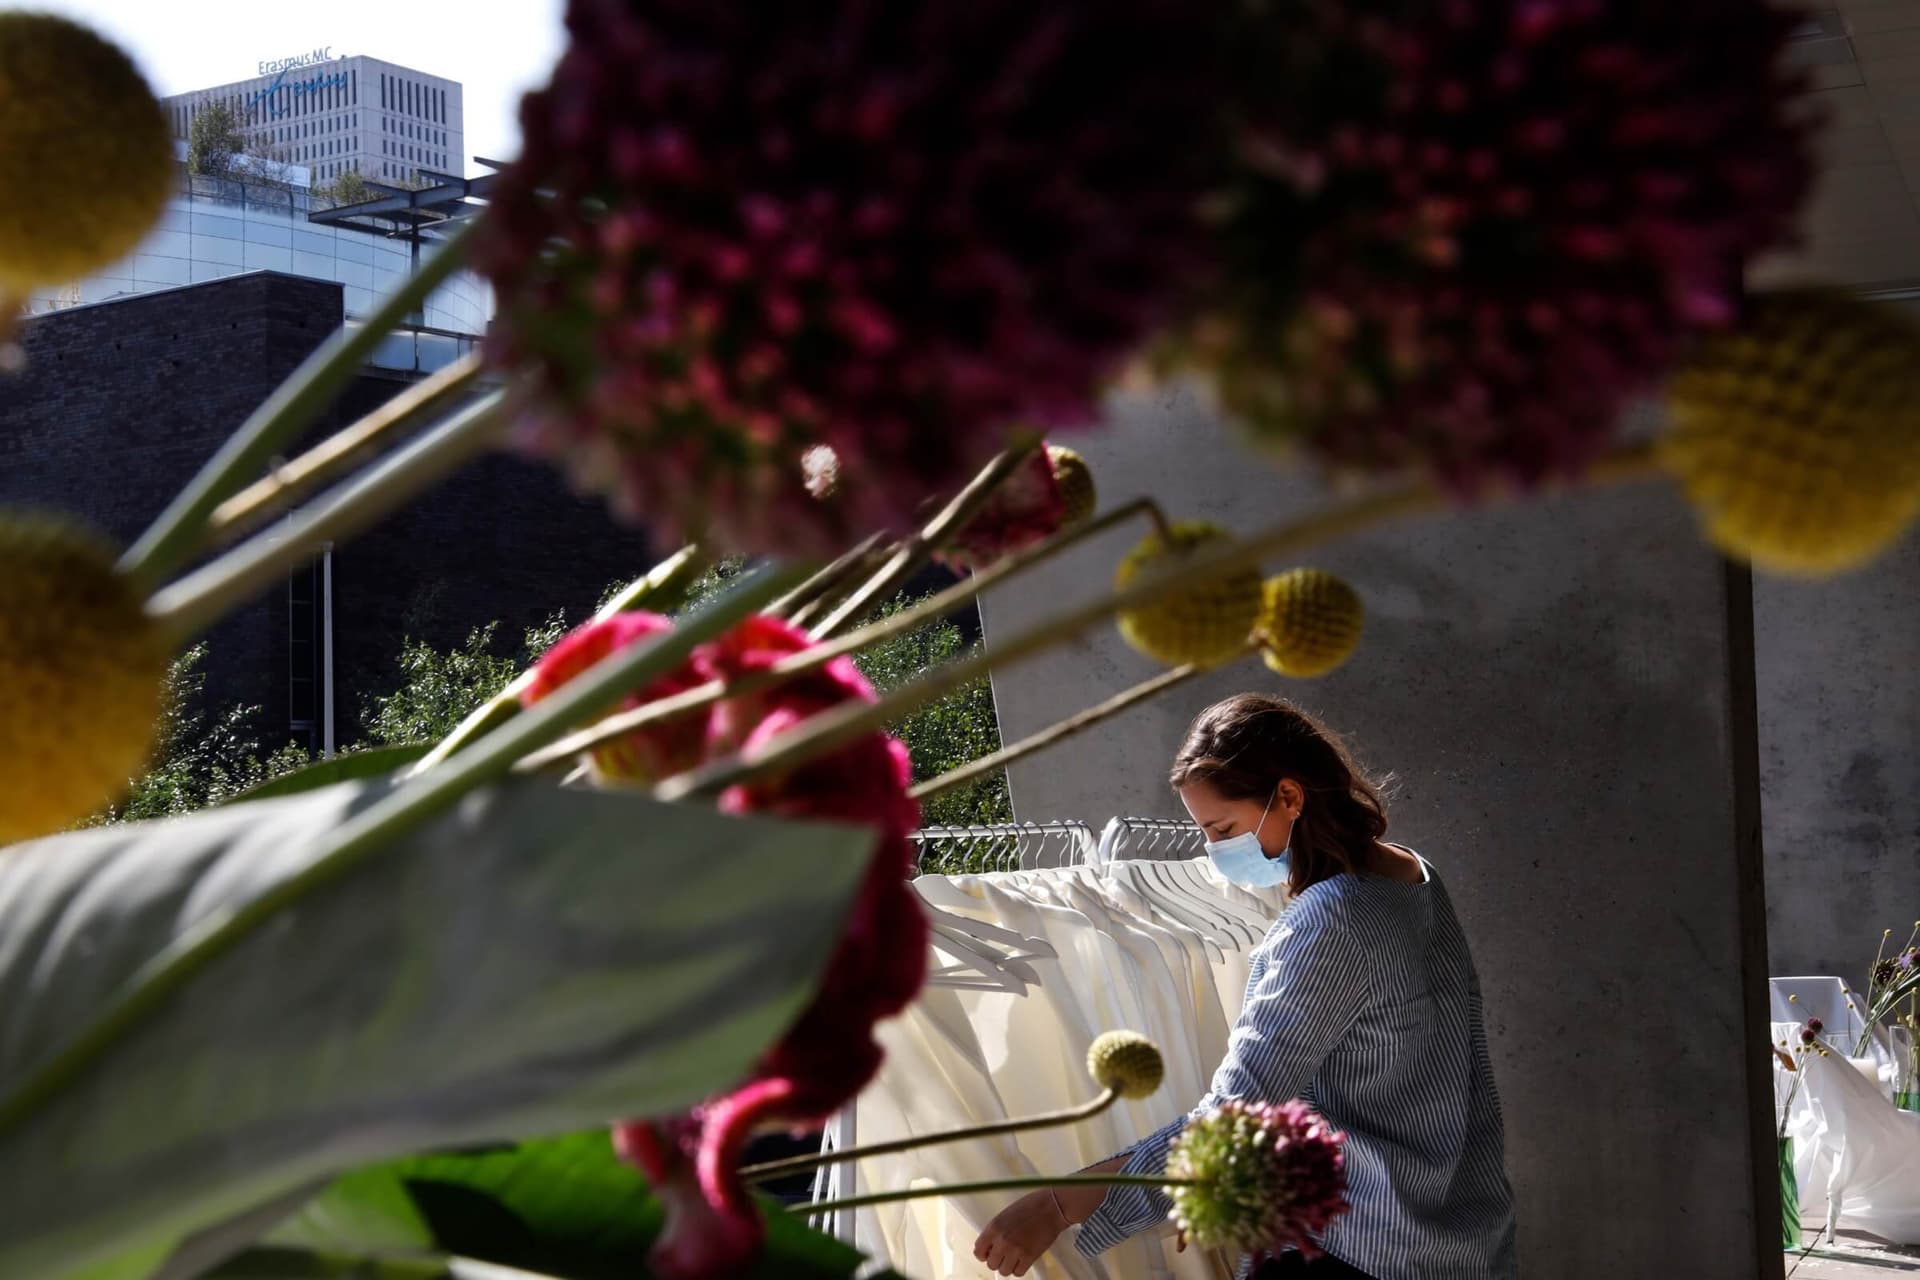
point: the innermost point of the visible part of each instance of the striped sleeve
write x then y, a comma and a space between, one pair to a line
1299, 1005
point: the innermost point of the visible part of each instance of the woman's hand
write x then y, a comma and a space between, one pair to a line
1027, 1228
1020, 1233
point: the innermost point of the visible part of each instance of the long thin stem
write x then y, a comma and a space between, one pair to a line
365, 835
180, 530
952, 519
1039, 1183
660, 588
830, 579
663, 579
194, 602
291, 482
1060, 732
771, 1169
817, 656
829, 729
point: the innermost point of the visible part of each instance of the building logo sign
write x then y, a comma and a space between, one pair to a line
322, 54
277, 104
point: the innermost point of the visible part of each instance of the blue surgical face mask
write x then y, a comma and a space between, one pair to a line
1241, 859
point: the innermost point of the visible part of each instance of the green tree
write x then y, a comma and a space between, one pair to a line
438, 689
348, 188
213, 140
266, 162
948, 732
203, 755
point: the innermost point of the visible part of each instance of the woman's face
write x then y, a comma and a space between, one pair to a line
1220, 818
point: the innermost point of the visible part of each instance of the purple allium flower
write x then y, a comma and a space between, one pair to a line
737, 232
1262, 1177
1465, 233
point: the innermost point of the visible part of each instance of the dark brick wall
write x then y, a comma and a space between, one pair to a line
121, 402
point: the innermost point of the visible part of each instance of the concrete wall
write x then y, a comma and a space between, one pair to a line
1551, 687
1839, 678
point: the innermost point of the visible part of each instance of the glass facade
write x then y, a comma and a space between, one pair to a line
221, 227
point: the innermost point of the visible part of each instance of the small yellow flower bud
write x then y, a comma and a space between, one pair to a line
1127, 1063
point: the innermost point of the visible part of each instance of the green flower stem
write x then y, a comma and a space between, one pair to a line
1040, 1183
295, 480
403, 809
667, 578
661, 588
180, 530
1060, 732
1877, 999
771, 1169
1890, 998
824, 584
817, 656
196, 601
829, 729
951, 520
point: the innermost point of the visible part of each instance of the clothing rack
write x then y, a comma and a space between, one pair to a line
1003, 846
1130, 837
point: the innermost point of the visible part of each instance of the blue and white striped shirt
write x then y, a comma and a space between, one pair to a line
1362, 1000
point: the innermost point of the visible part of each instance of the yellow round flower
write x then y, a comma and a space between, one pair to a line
1208, 622
86, 155
1310, 622
1075, 478
81, 668
1127, 1063
1797, 434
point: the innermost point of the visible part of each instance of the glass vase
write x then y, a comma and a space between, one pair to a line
1789, 1198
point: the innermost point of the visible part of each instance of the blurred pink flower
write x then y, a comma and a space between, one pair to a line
876, 968
738, 232
1466, 233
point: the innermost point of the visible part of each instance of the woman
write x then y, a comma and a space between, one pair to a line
1361, 999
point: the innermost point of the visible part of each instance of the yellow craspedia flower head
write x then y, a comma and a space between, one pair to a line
86, 156
81, 669
1310, 622
1127, 1063
1797, 434
1207, 622
1075, 478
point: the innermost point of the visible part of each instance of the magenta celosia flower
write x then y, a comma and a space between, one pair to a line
876, 968
1466, 232
702, 1234
644, 756
736, 233
1027, 508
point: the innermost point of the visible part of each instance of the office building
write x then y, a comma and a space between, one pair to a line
338, 115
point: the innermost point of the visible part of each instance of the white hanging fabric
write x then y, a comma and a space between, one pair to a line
1160, 951
1844, 1014
1856, 1158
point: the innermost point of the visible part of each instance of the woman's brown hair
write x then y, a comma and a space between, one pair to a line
1244, 745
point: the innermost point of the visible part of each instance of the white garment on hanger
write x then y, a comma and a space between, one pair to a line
1163, 955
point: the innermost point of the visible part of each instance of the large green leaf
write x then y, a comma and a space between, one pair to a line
312, 1264
533, 960
348, 766
564, 1207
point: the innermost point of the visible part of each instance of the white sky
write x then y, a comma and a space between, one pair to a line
192, 44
